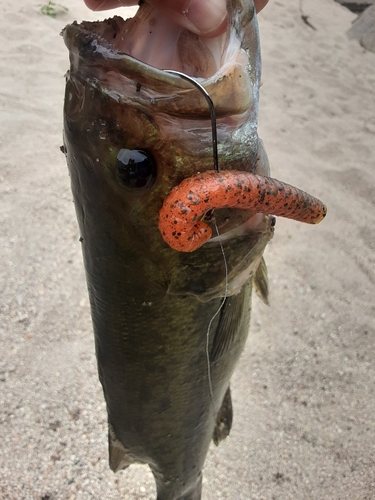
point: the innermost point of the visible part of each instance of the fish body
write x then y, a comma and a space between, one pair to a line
169, 326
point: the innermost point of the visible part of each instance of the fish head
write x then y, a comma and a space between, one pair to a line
133, 131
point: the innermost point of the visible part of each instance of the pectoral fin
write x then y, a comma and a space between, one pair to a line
230, 319
260, 282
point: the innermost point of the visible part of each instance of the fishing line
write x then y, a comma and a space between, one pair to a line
212, 112
216, 313
216, 169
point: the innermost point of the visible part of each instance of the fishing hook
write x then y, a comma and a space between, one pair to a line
212, 112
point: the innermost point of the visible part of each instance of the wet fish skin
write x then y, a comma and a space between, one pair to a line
151, 306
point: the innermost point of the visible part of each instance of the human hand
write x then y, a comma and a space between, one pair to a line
203, 17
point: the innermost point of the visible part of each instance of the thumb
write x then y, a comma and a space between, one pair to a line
203, 17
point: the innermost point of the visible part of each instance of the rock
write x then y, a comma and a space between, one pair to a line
363, 29
356, 5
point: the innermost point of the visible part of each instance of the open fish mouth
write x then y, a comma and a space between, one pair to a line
126, 60
122, 57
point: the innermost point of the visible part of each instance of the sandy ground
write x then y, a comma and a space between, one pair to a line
303, 393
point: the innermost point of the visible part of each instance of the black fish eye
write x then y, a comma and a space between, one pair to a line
135, 168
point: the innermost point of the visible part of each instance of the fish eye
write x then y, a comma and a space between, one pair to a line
135, 168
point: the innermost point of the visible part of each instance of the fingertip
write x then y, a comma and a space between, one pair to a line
202, 17
208, 18
94, 4
108, 4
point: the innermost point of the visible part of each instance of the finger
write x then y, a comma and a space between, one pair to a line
108, 4
206, 18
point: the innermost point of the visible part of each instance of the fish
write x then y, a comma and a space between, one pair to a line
169, 323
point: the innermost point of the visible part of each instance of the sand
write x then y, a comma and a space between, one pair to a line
304, 425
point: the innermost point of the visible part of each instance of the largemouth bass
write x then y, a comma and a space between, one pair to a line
169, 325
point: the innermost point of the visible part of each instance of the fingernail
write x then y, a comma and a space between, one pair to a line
207, 16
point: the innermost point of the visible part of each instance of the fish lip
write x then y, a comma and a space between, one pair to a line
95, 48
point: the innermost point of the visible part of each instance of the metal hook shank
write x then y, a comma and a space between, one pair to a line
212, 112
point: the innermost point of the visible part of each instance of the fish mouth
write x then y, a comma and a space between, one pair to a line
118, 52
128, 60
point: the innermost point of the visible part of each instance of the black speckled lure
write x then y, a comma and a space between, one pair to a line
180, 218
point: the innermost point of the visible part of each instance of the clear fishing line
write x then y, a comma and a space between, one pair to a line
216, 169
216, 313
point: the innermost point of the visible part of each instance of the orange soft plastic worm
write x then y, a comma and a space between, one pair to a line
180, 216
